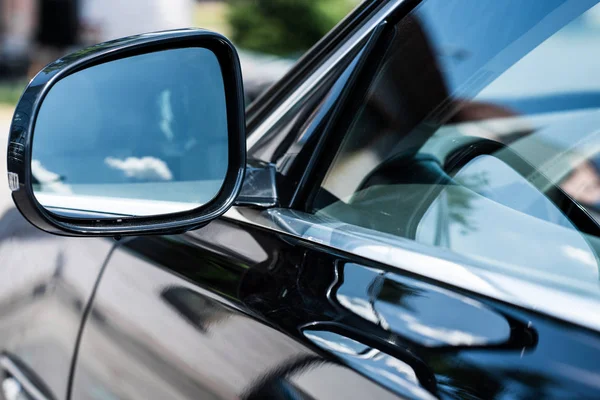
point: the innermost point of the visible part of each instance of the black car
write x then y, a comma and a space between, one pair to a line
411, 212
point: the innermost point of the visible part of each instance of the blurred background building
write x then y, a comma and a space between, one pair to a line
270, 34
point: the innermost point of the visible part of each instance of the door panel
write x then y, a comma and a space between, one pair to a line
235, 311
45, 284
167, 323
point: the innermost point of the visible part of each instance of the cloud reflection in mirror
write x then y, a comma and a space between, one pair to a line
144, 168
50, 181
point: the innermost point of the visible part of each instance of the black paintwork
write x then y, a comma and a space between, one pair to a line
231, 310
46, 281
247, 303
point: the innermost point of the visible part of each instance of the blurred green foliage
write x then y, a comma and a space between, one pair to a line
10, 92
283, 27
212, 15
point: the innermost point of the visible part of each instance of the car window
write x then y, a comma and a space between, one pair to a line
480, 134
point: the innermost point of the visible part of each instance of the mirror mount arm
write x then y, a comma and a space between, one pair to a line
259, 188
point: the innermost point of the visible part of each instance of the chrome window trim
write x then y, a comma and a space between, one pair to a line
350, 45
578, 306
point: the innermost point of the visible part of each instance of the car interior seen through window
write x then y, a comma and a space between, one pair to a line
480, 134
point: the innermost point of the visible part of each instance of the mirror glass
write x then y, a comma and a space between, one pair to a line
139, 136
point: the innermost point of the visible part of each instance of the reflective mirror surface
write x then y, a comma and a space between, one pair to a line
139, 136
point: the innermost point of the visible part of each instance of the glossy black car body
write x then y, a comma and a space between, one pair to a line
254, 305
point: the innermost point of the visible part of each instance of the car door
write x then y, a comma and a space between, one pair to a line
46, 283
373, 276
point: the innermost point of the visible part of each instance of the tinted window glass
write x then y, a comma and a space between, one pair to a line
479, 134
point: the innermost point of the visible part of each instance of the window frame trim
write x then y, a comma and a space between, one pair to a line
335, 41
351, 44
432, 264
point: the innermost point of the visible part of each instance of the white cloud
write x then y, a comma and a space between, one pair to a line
145, 168
50, 181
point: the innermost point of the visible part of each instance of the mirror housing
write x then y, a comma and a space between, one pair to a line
90, 222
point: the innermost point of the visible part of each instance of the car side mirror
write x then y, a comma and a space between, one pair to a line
140, 135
